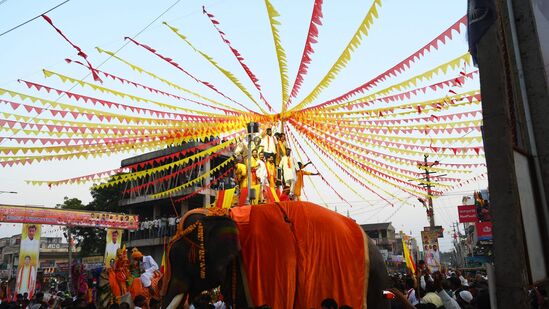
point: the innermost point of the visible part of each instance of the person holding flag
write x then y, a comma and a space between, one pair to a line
299, 183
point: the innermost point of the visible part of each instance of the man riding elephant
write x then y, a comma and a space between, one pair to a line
284, 255
150, 272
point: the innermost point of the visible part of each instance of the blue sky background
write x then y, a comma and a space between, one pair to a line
402, 27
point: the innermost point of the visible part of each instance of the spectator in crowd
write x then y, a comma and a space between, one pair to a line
139, 301
409, 285
430, 297
171, 225
163, 226
328, 303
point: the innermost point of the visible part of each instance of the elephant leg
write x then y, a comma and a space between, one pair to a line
176, 294
378, 280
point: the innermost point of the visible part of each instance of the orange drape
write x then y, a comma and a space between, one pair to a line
320, 254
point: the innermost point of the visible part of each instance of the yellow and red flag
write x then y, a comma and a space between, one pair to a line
408, 257
270, 195
224, 198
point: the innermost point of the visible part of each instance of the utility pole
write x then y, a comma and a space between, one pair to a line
428, 185
69, 239
253, 127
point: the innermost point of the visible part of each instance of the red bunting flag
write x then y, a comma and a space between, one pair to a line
80, 52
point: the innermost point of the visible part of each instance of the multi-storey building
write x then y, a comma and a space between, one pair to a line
158, 215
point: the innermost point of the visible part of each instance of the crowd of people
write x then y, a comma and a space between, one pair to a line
272, 165
439, 289
154, 228
49, 300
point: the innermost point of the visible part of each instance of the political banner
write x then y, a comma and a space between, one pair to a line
114, 237
484, 230
437, 228
467, 213
28, 259
431, 250
39, 215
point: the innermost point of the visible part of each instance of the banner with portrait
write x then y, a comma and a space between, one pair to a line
28, 259
431, 250
114, 238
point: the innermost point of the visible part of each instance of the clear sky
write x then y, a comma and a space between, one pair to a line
402, 27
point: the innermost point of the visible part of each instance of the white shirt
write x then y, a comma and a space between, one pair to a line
149, 264
288, 166
110, 252
411, 295
449, 302
26, 280
269, 144
28, 245
261, 171
171, 221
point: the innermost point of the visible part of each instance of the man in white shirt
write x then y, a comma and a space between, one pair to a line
26, 278
31, 243
410, 291
261, 171
149, 267
171, 224
269, 143
288, 166
112, 247
261, 174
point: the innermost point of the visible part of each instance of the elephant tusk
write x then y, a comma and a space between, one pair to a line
175, 301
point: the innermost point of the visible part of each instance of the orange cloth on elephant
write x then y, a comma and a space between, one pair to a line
319, 254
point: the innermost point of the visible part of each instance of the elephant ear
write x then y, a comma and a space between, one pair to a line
221, 241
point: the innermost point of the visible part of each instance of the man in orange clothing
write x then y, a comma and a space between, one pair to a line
299, 179
271, 171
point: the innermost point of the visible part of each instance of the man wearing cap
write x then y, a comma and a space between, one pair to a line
464, 298
149, 268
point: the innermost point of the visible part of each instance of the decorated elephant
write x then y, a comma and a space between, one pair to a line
282, 255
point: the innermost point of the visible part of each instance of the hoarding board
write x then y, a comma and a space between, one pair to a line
52, 216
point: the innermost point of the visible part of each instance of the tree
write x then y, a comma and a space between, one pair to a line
92, 240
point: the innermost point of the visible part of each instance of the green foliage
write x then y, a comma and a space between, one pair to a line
91, 241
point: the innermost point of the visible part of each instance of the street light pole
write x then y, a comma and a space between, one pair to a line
253, 127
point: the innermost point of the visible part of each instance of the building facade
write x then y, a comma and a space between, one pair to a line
159, 216
54, 260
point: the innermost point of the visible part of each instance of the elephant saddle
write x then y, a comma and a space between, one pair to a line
296, 254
